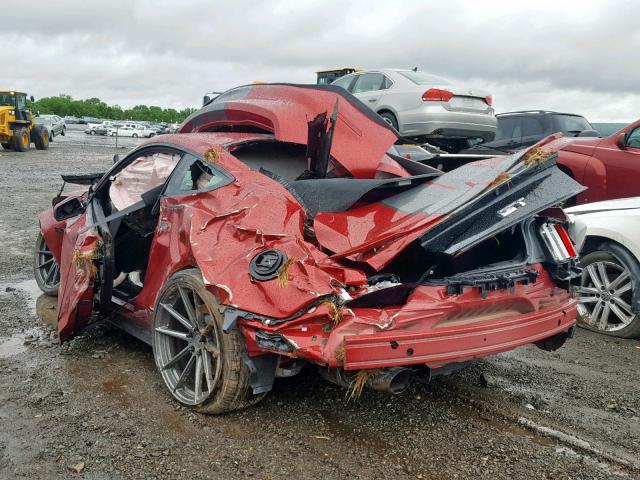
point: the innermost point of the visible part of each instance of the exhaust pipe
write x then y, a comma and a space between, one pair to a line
394, 380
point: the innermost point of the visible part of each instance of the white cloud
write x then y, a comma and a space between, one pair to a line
572, 56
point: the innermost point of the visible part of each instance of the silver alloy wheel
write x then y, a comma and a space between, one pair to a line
46, 268
186, 344
604, 296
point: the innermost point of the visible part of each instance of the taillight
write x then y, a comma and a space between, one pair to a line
558, 242
488, 99
437, 95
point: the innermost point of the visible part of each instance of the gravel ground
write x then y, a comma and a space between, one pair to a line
96, 408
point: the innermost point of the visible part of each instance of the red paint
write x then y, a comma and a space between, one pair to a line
601, 165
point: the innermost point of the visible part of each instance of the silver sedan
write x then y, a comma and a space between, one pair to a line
424, 106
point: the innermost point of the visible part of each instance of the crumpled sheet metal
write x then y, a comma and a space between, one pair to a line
75, 296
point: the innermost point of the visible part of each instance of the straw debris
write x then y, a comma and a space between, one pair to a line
283, 274
536, 156
360, 381
335, 312
84, 258
504, 177
212, 155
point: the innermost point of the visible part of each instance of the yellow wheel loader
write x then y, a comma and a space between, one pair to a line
17, 125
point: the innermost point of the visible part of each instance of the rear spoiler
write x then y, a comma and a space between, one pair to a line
88, 179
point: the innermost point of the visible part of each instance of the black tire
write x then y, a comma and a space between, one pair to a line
21, 139
135, 135
6, 146
615, 260
64, 131
390, 118
92, 132
231, 389
45, 268
40, 137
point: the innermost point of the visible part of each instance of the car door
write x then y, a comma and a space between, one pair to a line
90, 245
621, 160
369, 88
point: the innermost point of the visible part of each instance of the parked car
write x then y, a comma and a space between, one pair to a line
609, 166
425, 107
129, 130
70, 119
102, 128
53, 123
517, 130
606, 233
243, 255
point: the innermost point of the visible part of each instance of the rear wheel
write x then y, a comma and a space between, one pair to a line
200, 365
390, 118
21, 139
45, 268
135, 135
605, 293
64, 131
40, 137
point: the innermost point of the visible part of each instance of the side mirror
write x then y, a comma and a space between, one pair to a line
206, 100
32, 99
116, 158
621, 140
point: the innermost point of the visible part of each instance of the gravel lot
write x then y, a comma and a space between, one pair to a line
95, 407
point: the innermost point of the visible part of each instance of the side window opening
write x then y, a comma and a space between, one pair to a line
194, 175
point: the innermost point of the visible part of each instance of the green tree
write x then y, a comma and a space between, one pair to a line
64, 105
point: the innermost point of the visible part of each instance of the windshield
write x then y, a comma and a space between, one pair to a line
422, 78
572, 123
7, 99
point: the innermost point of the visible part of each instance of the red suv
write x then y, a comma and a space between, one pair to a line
608, 166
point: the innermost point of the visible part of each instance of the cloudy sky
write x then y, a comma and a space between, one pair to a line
578, 56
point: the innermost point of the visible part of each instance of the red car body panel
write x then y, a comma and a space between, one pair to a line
600, 164
284, 110
220, 231
432, 328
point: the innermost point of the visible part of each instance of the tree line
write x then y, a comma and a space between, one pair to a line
64, 105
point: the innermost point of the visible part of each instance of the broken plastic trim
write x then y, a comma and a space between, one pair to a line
274, 341
232, 314
487, 282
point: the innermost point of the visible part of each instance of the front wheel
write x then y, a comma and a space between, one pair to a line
605, 292
201, 366
21, 139
45, 268
135, 135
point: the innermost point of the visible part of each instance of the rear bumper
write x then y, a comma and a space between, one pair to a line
432, 328
438, 348
436, 121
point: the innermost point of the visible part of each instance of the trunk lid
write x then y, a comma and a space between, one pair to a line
451, 213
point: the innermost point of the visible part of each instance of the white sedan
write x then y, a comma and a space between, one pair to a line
608, 237
423, 106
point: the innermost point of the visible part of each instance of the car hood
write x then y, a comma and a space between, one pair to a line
606, 206
582, 145
285, 110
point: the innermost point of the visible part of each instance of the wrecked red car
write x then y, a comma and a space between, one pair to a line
274, 230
